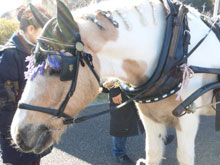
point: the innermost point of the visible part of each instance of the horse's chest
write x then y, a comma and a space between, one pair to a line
161, 112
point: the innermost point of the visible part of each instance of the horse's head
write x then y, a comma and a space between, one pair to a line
56, 69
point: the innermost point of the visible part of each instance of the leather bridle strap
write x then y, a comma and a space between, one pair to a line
50, 111
88, 59
72, 87
84, 118
60, 112
184, 106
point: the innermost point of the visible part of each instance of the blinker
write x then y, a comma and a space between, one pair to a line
68, 68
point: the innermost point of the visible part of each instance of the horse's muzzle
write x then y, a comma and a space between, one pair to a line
31, 138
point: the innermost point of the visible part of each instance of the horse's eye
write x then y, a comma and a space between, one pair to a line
54, 72
39, 58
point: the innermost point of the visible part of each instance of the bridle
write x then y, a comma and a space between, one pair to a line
66, 74
78, 57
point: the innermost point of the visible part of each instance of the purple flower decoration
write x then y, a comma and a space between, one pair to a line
32, 71
53, 62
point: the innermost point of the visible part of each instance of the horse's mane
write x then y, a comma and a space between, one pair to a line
124, 6
193, 11
111, 6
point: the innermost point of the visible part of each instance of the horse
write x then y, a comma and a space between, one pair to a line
127, 47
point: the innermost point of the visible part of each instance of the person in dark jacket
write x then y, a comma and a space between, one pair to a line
124, 122
12, 82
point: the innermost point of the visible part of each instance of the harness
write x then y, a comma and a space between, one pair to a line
165, 81
167, 78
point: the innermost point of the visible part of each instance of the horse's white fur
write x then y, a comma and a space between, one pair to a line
27, 95
144, 42
139, 38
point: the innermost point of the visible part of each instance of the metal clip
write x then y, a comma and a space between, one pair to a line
79, 46
109, 17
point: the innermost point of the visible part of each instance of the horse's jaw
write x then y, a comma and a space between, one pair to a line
35, 137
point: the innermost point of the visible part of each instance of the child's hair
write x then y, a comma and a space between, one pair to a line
26, 18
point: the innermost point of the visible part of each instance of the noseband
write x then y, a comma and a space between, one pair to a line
69, 71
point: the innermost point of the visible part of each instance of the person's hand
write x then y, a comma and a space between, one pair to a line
100, 90
117, 99
12, 141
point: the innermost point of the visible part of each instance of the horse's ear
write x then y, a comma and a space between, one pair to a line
40, 17
66, 21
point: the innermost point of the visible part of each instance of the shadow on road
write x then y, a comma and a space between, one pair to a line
90, 142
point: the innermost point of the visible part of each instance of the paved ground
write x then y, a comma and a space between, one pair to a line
89, 143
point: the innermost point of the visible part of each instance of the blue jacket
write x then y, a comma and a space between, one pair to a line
12, 82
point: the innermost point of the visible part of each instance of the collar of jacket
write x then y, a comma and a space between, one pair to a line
21, 43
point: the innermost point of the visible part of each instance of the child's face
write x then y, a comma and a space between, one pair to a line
32, 33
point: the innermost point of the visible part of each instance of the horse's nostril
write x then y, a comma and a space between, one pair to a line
20, 141
29, 135
43, 128
18, 138
22, 138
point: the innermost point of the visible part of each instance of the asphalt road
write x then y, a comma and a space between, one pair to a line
89, 143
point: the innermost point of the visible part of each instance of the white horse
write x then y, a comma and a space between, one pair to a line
129, 53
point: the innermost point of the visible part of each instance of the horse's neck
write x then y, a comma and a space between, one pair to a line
131, 51
207, 54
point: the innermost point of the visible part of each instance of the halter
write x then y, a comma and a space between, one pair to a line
66, 74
